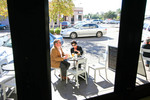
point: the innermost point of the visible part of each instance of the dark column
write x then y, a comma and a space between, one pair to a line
30, 41
132, 16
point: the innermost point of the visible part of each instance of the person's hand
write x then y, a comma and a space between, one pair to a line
76, 50
65, 57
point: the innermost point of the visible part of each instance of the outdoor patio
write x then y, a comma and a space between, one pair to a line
63, 91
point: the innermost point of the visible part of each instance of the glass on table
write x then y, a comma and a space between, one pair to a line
72, 54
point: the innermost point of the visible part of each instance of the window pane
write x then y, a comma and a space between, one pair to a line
143, 72
94, 43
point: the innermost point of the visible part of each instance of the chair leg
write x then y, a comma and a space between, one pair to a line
66, 79
4, 92
95, 75
86, 78
106, 74
61, 75
77, 81
99, 73
15, 90
88, 71
54, 71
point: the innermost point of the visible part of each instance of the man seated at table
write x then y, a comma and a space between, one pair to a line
76, 49
58, 58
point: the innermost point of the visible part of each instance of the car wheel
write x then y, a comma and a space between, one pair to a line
73, 35
99, 34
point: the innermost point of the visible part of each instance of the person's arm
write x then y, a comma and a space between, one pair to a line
80, 50
55, 55
72, 50
64, 56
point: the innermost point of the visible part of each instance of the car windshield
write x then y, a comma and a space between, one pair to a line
77, 25
8, 43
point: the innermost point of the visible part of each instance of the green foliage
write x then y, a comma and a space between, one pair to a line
52, 30
110, 14
57, 30
106, 15
60, 7
3, 9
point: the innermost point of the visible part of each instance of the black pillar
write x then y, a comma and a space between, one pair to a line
132, 17
30, 40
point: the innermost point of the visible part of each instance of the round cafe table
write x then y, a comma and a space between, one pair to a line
8, 67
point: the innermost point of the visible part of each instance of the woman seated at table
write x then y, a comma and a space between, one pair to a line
76, 49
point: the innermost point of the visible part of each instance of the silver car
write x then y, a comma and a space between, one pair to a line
83, 30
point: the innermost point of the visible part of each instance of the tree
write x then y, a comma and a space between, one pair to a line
3, 9
110, 14
118, 11
60, 7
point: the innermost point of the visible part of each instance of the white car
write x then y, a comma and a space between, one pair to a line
3, 38
96, 21
6, 52
84, 30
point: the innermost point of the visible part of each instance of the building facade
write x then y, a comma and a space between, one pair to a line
77, 16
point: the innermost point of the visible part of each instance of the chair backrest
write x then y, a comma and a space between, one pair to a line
147, 51
103, 59
83, 62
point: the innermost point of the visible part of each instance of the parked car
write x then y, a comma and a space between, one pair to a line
88, 20
78, 22
113, 22
97, 21
6, 52
4, 37
83, 30
65, 24
53, 37
3, 27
